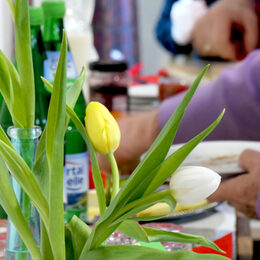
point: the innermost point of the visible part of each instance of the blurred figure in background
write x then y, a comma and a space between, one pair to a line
227, 29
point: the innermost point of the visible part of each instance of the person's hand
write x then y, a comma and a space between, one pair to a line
211, 35
242, 191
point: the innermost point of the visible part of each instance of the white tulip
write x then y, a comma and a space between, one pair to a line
192, 184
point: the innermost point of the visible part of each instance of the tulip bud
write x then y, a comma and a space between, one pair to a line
192, 184
102, 128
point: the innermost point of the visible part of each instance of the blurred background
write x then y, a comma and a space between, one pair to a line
135, 20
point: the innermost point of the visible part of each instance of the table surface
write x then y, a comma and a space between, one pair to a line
189, 69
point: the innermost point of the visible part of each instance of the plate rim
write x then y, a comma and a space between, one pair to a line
176, 146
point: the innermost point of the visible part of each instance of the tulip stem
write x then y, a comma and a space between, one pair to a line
115, 174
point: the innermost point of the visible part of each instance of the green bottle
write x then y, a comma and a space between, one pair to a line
42, 96
75, 182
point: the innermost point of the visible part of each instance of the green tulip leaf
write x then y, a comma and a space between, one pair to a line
79, 232
155, 235
133, 229
13, 101
4, 138
69, 246
72, 94
25, 95
5, 80
55, 130
46, 249
41, 165
168, 167
130, 252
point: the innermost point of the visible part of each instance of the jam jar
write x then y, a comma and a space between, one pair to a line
108, 83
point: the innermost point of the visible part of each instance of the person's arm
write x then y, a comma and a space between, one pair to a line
163, 31
237, 89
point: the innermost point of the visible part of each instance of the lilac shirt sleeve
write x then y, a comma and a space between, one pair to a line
237, 89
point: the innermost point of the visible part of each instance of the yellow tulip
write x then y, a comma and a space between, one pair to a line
102, 128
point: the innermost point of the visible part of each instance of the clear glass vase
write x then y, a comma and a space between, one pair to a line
24, 141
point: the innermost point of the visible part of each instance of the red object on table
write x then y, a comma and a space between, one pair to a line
225, 243
137, 78
169, 86
91, 181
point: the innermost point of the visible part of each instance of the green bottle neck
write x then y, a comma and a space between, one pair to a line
52, 34
80, 108
36, 38
41, 95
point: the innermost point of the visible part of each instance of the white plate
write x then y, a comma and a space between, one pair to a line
220, 156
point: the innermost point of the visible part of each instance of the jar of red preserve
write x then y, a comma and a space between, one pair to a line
108, 83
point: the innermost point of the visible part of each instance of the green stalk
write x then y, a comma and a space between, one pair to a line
54, 152
115, 175
25, 111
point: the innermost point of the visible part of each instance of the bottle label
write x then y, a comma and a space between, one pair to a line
75, 179
51, 63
